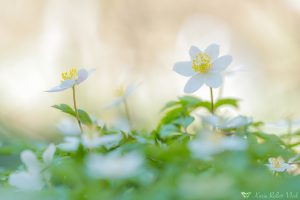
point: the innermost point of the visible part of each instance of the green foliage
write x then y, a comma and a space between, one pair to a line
83, 115
65, 108
227, 102
170, 170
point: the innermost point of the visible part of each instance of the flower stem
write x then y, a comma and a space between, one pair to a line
75, 108
211, 100
127, 112
289, 130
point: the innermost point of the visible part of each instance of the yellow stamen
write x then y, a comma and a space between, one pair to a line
215, 138
70, 75
202, 63
120, 91
276, 162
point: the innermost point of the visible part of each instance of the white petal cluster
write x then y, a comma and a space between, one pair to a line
209, 143
82, 75
278, 164
114, 165
227, 123
90, 140
205, 67
34, 176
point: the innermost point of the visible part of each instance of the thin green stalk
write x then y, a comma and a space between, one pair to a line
75, 108
127, 112
289, 130
211, 100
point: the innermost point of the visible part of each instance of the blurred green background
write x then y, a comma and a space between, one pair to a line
140, 40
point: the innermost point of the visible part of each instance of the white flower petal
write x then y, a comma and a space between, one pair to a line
286, 166
63, 86
212, 120
213, 80
213, 51
238, 122
130, 89
70, 144
114, 166
31, 162
68, 127
280, 169
203, 148
110, 141
184, 68
221, 63
83, 74
121, 124
194, 51
48, 154
194, 83
233, 143
270, 160
26, 181
90, 141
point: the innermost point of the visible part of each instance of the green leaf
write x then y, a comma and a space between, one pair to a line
169, 105
184, 121
85, 117
189, 100
65, 108
168, 131
227, 101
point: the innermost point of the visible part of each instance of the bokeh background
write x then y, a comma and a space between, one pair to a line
131, 41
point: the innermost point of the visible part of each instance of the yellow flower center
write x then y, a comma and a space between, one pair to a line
70, 75
201, 63
276, 162
120, 91
215, 138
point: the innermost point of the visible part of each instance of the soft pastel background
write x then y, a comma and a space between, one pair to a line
139, 41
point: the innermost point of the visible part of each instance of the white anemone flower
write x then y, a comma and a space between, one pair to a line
278, 165
71, 144
94, 140
122, 93
223, 123
114, 165
68, 127
71, 78
205, 67
211, 143
34, 177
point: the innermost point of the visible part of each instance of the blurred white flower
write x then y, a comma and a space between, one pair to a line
34, 177
224, 123
204, 68
278, 164
210, 143
71, 78
114, 165
68, 127
89, 140
121, 124
122, 93
70, 144
94, 140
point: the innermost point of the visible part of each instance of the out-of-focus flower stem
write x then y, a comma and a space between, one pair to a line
127, 112
211, 100
75, 108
